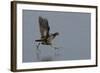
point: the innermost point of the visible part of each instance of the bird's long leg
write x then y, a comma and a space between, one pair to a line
38, 45
38, 51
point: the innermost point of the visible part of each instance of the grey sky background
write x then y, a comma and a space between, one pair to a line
74, 38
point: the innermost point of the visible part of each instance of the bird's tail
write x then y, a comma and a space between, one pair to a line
38, 40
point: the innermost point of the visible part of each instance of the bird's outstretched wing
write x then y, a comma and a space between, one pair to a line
44, 27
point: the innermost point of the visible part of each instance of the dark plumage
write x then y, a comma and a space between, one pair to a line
46, 36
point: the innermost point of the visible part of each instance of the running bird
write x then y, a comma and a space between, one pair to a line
46, 36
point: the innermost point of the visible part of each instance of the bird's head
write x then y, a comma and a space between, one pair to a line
55, 34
